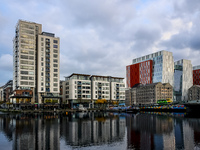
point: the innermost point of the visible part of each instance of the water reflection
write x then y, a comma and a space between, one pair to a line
153, 131
99, 131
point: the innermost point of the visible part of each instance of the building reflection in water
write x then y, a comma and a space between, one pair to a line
149, 131
130, 131
45, 131
93, 129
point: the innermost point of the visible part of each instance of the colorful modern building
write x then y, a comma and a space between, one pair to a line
152, 68
196, 75
139, 73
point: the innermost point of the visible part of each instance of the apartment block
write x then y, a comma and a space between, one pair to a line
48, 64
35, 62
183, 79
196, 75
149, 93
152, 68
87, 89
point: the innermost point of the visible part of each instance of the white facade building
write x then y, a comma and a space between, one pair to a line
87, 89
48, 64
35, 61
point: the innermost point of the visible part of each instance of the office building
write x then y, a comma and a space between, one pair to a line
35, 62
152, 68
196, 75
183, 79
149, 93
87, 89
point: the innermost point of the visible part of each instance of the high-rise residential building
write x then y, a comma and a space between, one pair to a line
48, 64
152, 68
196, 75
25, 55
87, 89
35, 62
183, 79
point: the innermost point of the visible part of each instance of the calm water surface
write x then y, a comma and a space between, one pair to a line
99, 131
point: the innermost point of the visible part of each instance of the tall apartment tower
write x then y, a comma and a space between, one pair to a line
152, 68
48, 64
183, 79
30, 62
24, 53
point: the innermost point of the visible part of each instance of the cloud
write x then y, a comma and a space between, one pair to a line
102, 37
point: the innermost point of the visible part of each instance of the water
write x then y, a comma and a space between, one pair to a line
99, 131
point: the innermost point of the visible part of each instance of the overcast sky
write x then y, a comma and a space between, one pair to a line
102, 37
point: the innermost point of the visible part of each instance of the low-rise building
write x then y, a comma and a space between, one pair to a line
5, 91
87, 89
149, 93
194, 93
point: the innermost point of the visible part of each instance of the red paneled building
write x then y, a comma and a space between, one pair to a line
139, 73
196, 75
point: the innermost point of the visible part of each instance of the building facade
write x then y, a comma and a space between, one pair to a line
153, 68
194, 93
149, 93
183, 79
5, 91
196, 75
139, 73
35, 61
88, 89
48, 64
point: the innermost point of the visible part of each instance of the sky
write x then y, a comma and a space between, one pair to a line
101, 37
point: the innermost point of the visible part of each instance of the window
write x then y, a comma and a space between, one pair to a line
31, 57
24, 83
55, 84
55, 56
55, 65
24, 56
55, 51
55, 41
24, 72
31, 78
55, 60
55, 80
24, 78
42, 39
55, 46
55, 70
55, 75
55, 89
